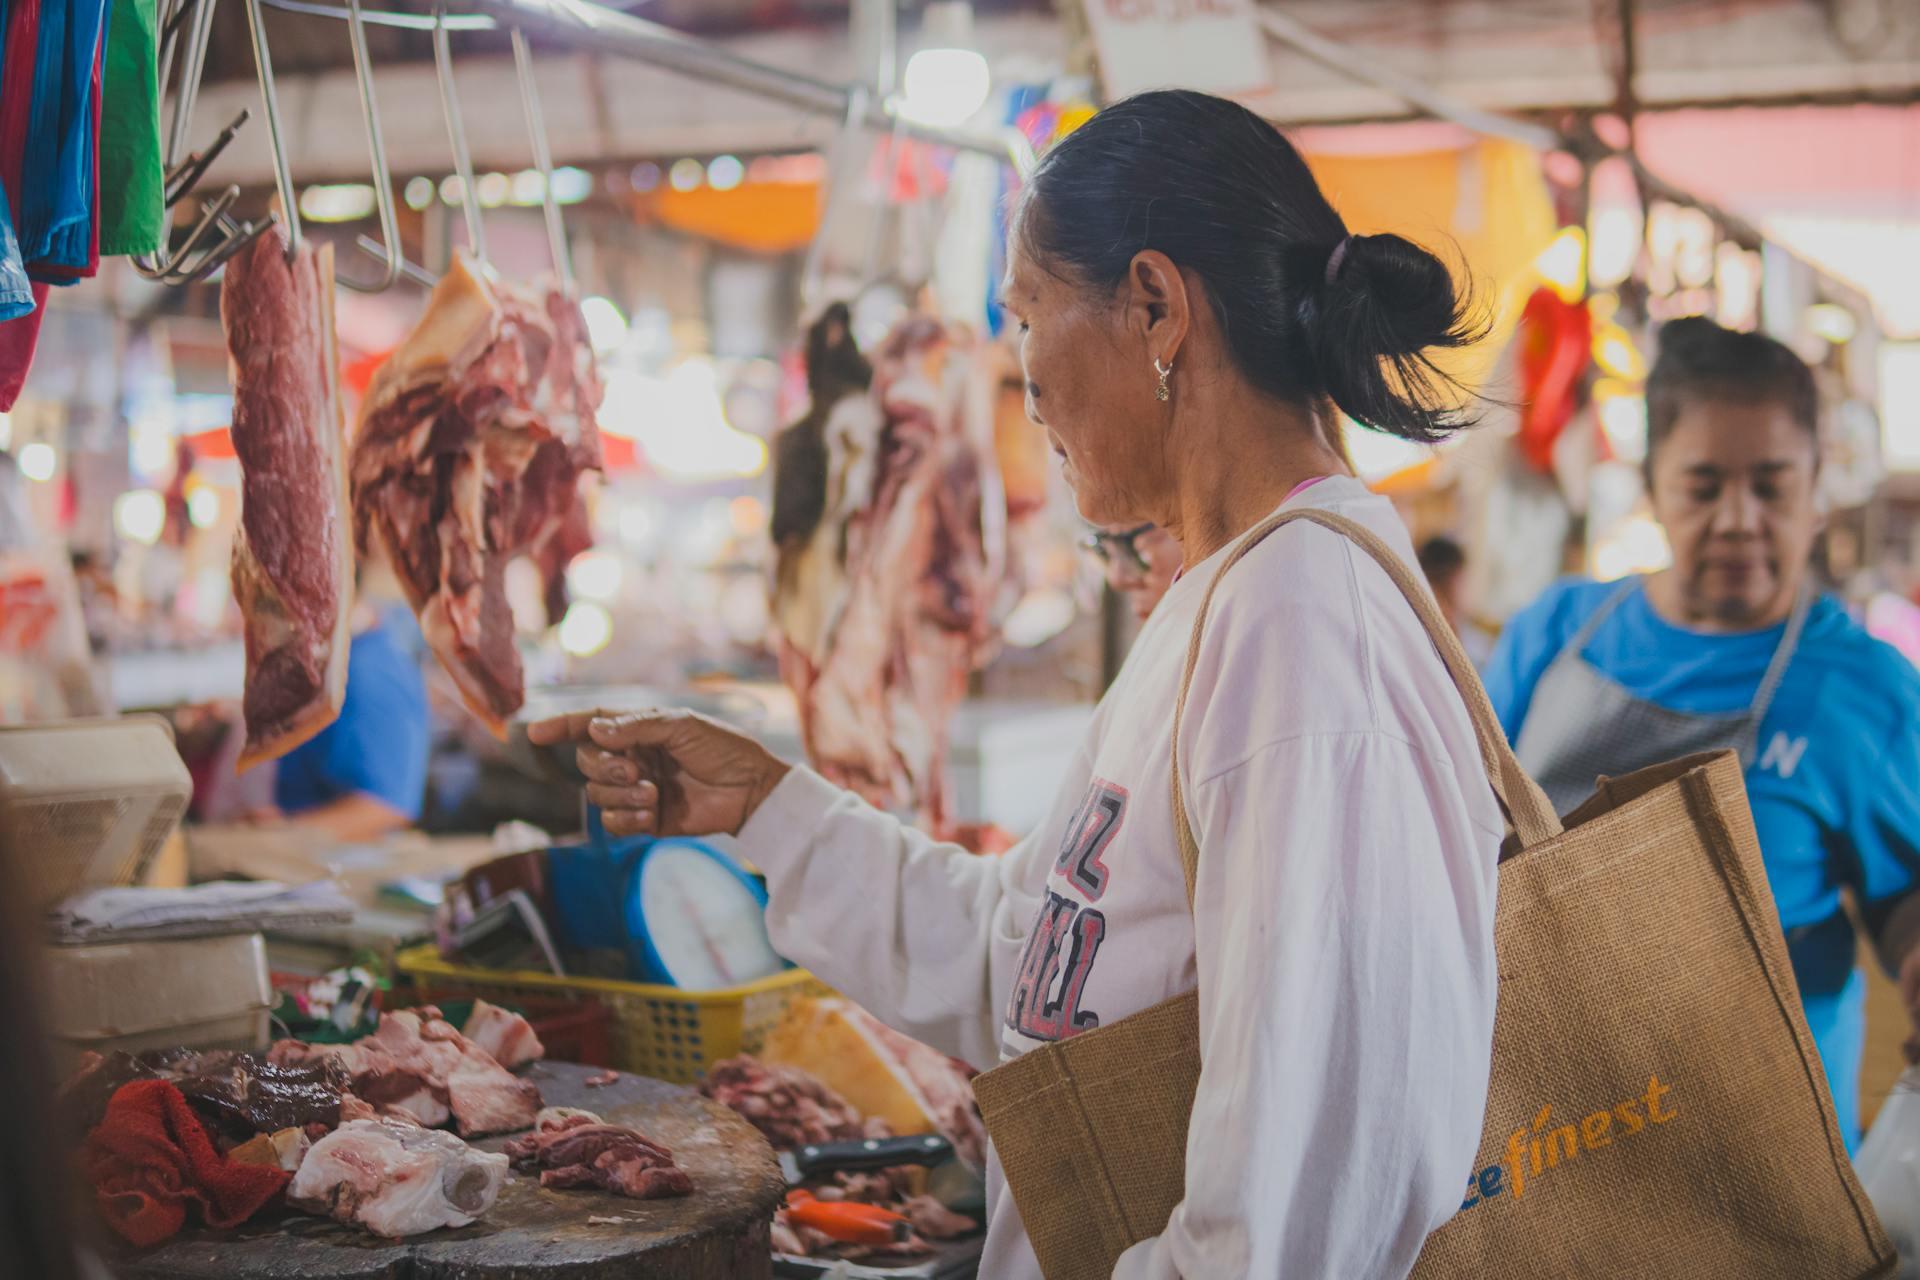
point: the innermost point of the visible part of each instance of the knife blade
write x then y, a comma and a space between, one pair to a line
861, 1155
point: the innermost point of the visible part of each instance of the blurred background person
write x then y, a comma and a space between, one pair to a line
1140, 562
1734, 647
1444, 562
364, 775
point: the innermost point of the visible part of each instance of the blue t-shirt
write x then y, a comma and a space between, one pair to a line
1835, 786
379, 743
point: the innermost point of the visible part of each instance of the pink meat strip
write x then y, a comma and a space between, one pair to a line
574, 1148
416, 1066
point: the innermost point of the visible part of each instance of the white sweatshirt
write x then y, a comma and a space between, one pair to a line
1341, 935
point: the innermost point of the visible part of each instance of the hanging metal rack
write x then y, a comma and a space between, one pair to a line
604, 30
185, 29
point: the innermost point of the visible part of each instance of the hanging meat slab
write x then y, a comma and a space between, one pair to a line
916, 518
471, 444
292, 567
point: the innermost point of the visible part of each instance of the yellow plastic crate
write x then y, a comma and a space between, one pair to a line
657, 1031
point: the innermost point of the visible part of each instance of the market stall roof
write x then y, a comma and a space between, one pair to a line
1535, 58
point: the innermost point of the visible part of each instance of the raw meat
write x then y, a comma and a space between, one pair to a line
935, 1221
471, 444
788, 1106
575, 1148
415, 1066
396, 1179
243, 1094
237, 1095
507, 1037
292, 569
892, 600
84, 1094
283, 1150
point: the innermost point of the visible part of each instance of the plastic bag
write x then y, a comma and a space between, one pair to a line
1889, 1169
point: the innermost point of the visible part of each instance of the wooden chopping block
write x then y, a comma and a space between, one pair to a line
720, 1232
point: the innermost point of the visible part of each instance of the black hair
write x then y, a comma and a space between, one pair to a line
1223, 194
1440, 558
1700, 360
835, 370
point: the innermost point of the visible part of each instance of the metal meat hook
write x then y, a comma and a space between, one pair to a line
456, 132
388, 250
282, 178
185, 29
542, 158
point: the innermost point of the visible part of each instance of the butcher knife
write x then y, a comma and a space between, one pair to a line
949, 1180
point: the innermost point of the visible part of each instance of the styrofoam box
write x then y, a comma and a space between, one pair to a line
202, 993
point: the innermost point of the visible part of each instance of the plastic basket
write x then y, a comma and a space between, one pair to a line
662, 1032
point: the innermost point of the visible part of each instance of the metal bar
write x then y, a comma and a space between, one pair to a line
417, 274
542, 158
377, 148
388, 18
282, 177
610, 31
181, 178
457, 135
239, 236
601, 29
1348, 62
1628, 104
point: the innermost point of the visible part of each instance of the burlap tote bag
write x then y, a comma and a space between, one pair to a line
1657, 1107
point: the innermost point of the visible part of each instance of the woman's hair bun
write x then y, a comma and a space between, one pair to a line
1373, 325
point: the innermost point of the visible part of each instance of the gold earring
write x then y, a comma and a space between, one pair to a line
1161, 393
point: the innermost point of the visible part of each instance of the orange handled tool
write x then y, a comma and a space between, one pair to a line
847, 1221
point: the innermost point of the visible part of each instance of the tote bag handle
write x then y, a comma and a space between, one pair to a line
1525, 806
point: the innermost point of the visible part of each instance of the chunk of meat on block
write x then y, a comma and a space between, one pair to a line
574, 1148
292, 566
417, 1066
507, 1037
396, 1179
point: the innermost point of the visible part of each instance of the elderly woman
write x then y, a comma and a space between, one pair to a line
1189, 305
1734, 646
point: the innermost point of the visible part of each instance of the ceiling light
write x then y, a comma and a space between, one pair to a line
38, 461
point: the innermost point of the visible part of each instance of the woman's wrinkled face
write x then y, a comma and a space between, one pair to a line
1090, 386
1733, 485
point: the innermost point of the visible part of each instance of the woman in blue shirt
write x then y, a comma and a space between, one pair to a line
365, 774
1733, 647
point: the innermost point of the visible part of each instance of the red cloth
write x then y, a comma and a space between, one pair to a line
16, 95
151, 1155
18, 338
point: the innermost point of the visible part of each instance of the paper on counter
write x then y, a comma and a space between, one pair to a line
102, 915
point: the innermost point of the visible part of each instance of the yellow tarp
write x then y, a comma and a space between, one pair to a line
1486, 202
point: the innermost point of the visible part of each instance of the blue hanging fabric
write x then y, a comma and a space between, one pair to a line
16, 291
55, 217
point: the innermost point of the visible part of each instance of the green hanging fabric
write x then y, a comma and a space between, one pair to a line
131, 184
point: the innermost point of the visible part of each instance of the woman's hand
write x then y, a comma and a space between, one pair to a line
668, 773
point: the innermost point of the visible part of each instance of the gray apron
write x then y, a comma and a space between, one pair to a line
1581, 723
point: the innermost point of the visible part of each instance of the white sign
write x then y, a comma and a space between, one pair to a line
1215, 45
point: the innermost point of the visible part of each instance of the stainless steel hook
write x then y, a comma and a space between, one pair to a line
388, 251
542, 159
456, 132
282, 177
185, 29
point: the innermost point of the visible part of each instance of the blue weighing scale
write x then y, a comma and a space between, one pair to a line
686, 914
